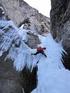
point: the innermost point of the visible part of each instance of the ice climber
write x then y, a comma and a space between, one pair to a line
40, 50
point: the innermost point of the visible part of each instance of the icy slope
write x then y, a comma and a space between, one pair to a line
52, 76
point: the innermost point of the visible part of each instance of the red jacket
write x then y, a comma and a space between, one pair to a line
40, 49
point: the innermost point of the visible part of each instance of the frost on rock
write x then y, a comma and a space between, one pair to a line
4, 24
12, 44
52, 76
21, 56
6, 37
23, 34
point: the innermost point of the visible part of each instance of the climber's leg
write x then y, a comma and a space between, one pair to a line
44, 54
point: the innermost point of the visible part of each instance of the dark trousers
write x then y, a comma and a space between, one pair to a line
41, 53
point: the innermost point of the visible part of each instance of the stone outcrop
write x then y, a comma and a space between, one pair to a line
9, 79
60, 25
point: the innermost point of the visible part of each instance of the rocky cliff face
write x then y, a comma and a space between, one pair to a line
60, 25
19, 11
11, 44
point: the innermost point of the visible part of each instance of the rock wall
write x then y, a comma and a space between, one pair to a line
19, 10
60, 25
9, 79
